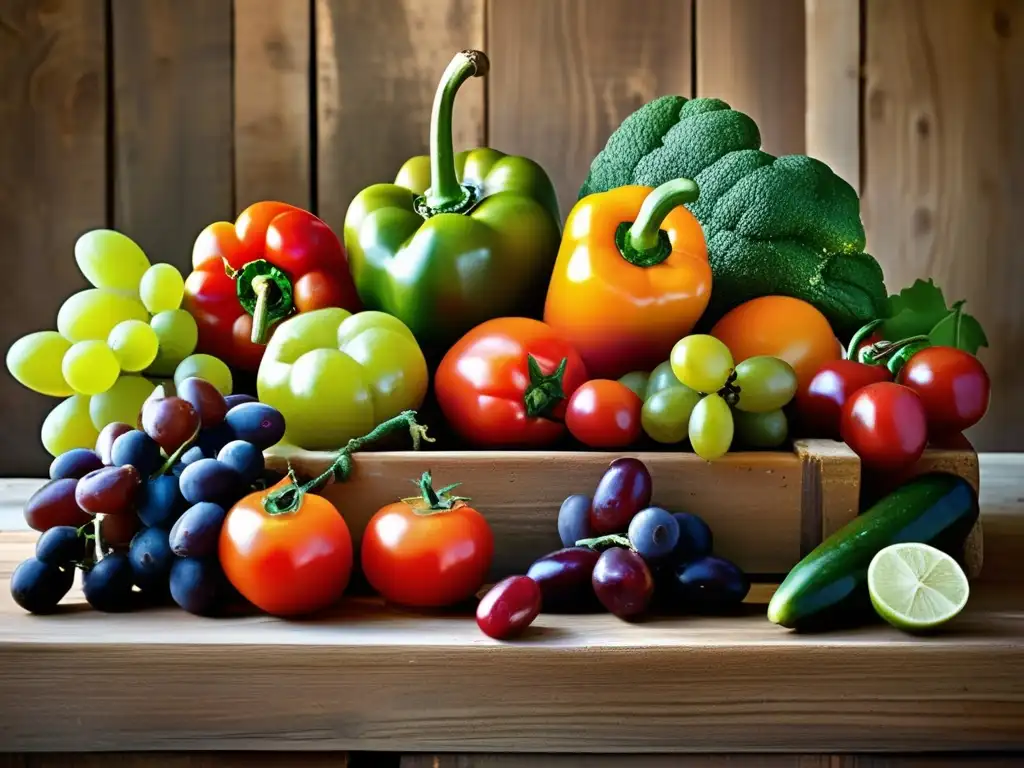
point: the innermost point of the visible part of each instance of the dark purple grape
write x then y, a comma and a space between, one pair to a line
137, 449
205, 398
212, 440
117, 531
151, 557
61, 546
623, 582
76, 463
192, 455
210, 480
106, 439
245, 458
108, 585
197, 532
695, 539
233, 400
54, 504
197, 585
170, 421
624, 489
160, 502
709, 585
564, 578
38, 587
256, 423
653, 533
574, 520
108, 491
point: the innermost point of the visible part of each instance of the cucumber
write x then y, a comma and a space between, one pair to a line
828, 588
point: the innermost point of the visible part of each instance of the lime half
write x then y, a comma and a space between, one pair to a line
916, 586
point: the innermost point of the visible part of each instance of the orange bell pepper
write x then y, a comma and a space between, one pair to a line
632, 277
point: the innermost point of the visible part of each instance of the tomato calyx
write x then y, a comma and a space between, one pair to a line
432, 501
288, 498
543, 392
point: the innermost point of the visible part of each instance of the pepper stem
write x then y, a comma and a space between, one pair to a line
288, 498
265, 292
261, 286
446, 194
544, 392
644, 243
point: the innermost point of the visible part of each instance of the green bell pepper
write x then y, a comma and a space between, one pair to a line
477, 243
335, 376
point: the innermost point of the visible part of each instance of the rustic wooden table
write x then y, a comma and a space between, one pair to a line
161, 687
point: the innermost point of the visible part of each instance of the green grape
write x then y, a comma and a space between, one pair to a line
161, 288
701, 362
109, 259
666, 414
35, 360
636, 381
206, 367
134, 344
761, 430
68, 426
177, 331
661, 378
711, 428
90, 367
92, 314
122, 402
765, 384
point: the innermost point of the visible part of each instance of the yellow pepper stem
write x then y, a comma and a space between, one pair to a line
644, 243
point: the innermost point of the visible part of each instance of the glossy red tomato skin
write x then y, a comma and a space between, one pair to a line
509, 607
288, 564
424, 558
604, 414
820, 403
953, 386
885, 424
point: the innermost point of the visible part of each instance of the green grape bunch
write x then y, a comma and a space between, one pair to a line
111, 341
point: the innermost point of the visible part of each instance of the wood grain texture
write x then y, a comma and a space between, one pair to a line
750, 53
175, 760
272, 100
832, 121
711, 761
564, 74
944, 171
832, 480
53, 173
376, 76
750, 500
174, 134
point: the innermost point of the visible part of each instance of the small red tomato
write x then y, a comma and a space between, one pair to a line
820, 404
604, 414
953, 386
509, 608
428, 551
884, 423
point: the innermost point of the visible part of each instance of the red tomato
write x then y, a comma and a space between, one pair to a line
820, 404
427, 552
604, 414
290, 563
493, 395
884, 423
509, 608
953, 386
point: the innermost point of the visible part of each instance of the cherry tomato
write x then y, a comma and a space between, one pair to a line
290, 563
509, 607
884, 423
604, 414
820, 403
953, 386
780, 326
428, 551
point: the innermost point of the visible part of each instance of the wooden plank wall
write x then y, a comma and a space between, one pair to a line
159, 117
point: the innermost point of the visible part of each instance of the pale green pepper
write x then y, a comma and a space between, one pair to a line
335, 376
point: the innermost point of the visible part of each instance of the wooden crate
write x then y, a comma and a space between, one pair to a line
766, 509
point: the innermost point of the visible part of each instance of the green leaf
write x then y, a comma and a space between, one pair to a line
972, 337
914, 311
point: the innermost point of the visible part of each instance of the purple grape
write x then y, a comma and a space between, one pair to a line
108, 585
192, 455
197, 532
197, 585
709, 585
210, 480
695, 539
574, 520
256, 423
564, 578
160, 502
624, 489
245, 458
75, 464
137, 449
233, 400
151, 557
62, 546
38, 587
653, 533
623, 582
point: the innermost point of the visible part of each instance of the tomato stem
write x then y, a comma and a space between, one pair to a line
860, 336
544, 392
436, 501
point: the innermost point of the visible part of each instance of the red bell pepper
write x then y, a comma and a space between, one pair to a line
275, 260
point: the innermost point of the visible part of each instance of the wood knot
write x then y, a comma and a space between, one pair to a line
923, 126
1001, 23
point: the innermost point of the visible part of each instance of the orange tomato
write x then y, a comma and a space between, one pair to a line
783, 327
290, 563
